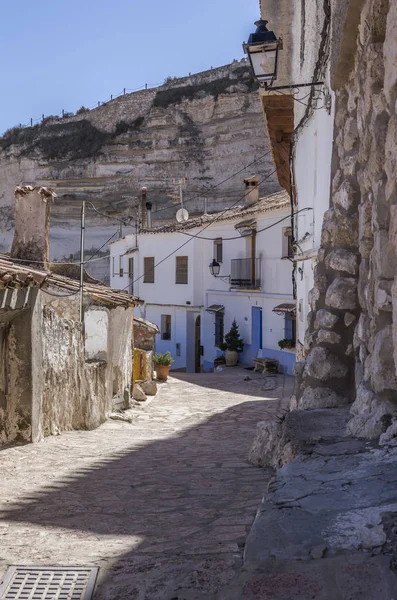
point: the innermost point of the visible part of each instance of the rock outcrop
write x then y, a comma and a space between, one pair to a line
352, 336
205, 127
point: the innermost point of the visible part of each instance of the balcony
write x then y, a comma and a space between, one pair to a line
246, 273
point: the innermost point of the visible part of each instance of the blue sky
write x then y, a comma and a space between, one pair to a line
62, 54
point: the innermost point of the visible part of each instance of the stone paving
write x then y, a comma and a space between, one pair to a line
163, 505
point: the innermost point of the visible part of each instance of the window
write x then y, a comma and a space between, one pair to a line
181, 274
288, 248
165, 327
290, 328
148, 269
114, 266
218, 250
219, 328
121, 270
131, 274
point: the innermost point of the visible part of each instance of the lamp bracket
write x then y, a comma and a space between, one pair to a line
224, 278
290, 87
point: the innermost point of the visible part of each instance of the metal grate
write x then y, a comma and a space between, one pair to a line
48, 583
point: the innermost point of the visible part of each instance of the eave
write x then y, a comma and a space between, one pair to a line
279, 118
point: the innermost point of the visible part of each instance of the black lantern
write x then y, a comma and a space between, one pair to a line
262, 49
215, 268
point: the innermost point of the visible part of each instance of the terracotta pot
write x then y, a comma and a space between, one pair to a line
162, 372
231, 357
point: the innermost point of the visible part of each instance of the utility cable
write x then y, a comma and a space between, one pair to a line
221, 182
203, 229
237, 237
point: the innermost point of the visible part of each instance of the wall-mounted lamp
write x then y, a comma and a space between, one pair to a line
215, 268
262, 49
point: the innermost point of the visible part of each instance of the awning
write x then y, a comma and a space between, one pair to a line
215, 308
285, 309
246, 227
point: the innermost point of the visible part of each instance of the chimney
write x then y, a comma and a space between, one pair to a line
251, 190
32, 225
143, 207
148, 215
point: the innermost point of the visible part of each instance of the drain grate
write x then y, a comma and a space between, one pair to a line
48, 583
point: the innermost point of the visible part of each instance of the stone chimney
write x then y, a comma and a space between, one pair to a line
32, 225
251, 190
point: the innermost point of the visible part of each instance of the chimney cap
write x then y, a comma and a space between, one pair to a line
254, 180
22, 190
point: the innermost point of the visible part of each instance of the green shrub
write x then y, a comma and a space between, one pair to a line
233, 341
163, 359
286, 343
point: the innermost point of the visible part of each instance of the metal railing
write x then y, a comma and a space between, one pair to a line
246, 273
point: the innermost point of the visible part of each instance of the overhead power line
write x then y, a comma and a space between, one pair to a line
203, 229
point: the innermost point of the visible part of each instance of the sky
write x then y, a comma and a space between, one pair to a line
64, 54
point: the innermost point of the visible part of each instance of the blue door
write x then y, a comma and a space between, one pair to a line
256, 320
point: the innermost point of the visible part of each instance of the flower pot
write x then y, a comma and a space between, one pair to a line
231, 357
162, 372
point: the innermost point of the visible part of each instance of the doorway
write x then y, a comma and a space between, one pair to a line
197, 366
257, 329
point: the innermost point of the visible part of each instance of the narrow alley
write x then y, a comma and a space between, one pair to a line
162, 505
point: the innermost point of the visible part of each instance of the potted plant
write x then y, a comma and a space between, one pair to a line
232, 345
286, 344
163, 363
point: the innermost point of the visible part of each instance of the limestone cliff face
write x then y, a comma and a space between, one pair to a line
205, 127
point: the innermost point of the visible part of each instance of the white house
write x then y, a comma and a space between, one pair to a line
192, 308
300, 123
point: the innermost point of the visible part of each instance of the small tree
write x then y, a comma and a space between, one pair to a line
233, 341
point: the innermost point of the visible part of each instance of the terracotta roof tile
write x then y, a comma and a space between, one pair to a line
275, 201
14, 274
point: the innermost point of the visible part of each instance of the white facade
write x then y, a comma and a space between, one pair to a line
187, 329
312, 169
300, 24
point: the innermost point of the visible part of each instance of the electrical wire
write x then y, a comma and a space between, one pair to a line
203, 229
221, 182
99, 249
238, 237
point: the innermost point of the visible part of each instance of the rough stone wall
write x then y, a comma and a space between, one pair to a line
32, 226
352, 337
15, 377
75, 394
143, 339
121, 342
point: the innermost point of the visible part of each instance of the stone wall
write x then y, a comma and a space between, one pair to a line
352, 337
75, 393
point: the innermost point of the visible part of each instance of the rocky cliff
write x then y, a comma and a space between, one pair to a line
204, 127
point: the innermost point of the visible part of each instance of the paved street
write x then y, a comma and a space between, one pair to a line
162, 505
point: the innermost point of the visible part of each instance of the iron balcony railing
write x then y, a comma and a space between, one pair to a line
246, 273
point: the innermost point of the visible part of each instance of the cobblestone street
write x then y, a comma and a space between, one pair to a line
162, 505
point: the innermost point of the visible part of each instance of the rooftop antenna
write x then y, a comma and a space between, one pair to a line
182, 214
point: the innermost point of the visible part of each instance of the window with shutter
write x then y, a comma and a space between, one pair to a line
181, 269
148, 269
218, 250
219, 328
131, 274
165, 327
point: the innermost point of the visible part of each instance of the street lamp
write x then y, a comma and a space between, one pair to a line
262, 49
215, 268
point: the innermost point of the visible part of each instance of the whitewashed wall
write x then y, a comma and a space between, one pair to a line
184, 302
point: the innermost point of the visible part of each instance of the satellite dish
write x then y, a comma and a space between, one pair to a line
182, 215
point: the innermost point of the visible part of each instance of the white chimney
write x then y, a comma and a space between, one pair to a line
251, 190
32, 225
